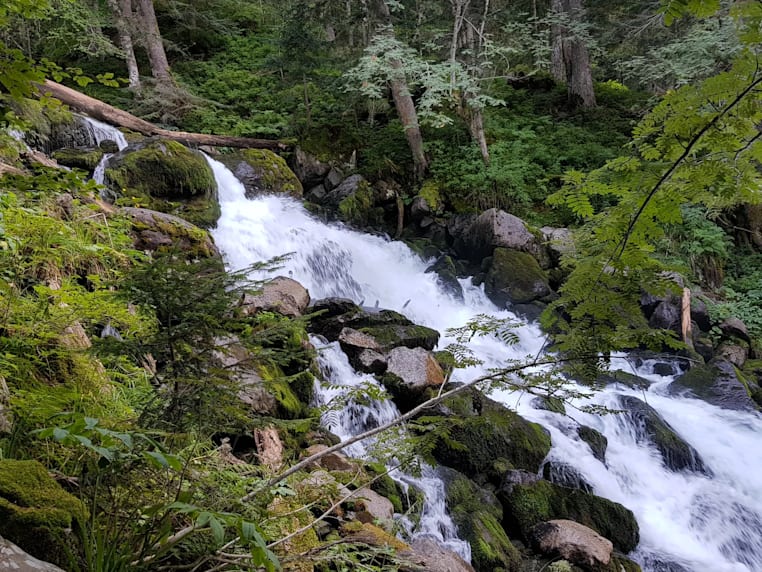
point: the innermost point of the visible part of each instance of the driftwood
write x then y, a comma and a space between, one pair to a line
105, 112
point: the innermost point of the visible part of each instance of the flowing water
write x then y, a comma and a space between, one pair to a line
689, 522
100, 132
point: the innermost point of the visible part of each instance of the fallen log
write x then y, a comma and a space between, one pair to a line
109, 114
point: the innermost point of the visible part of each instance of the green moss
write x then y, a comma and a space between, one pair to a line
528, 505
36, 513
357, 209
622, 564
515, 277
431, 193
385, 486
289, 405
85, 159
394, 336
477, 515
275, 175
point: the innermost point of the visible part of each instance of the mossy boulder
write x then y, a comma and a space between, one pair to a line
677, 454
262, 172
478, 515
515, 278
622, 378
79, 158
720, 383
596, 440
445, 269
36, 513
284, 518
486, 439
359, 207
526, 505
155, 231
166, 176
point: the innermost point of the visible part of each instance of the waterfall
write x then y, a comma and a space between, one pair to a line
689, 522
100, 132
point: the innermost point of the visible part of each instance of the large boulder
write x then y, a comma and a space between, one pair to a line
282, 295
526, 505
478, 515
308, 168
651, 427
155, 231
262, 172
166, 176
559, 241
429, 555
572, 541
85, 158
372, 507
515, 278
720, 383
36, 513
355, 200
445, 269
409, 373
13, 558
493, 229
735, 328
596, 440
486, 439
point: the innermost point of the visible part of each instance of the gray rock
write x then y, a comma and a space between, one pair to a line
432, 557
13, 558
334, 178
154, 230
263, 172
419, 209
309, 168
496, 228
281, 294
372, 506
560, 242
733, 327
371, 361
666, 316
515, 278
448, 277
415, 368
596, 440
733, 353
572, 541
700, 314
717, 383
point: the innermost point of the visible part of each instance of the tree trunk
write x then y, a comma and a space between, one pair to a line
104, 112
570, 60
153, 43
403, 102
122, 11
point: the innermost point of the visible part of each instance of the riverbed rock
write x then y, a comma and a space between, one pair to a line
492, 229
282, 295
515, 278
735, 328
478, 515
666, 316
309, 169
487, 439
445, 269
676, 453
262, 172
526, 505
372, 507
617, 376
334, 461
732, 353
596, 440
409, 373
566, 475
370, 361
573, 542
14, 558
36, 513
166, 176
155, 231
719, 383
429, 555
84, 158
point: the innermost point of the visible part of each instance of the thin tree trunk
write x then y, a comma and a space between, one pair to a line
153, 43
570, 59
104, 112
122, 11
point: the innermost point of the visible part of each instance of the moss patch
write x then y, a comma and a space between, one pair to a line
357, 209
85, 159
527, 505
261, 171
515, 277
35, 512
394, 336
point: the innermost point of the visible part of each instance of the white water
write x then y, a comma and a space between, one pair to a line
103, 132
688, 522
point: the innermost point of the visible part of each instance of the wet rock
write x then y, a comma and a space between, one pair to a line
282, 295
13, 558
549, 404
700, 314
566, 475
666, 316
85, 158
517, 477
572, 541
733, 327
159, 232
429, 555
478, 513
371, 361
492, 439
596, 440
353, 341
309, 169
526, 505
262, 172
494, 229
719, 383
651, 427
444, 267
515, 278
620, 377
409, 373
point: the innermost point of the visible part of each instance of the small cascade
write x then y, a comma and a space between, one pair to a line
103, 132
355, 418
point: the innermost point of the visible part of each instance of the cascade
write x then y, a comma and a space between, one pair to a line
689, 522
99, 132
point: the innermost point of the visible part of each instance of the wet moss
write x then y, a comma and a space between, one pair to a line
262, 171
36, 513
85, 159
394, 336
515, 277
357, 209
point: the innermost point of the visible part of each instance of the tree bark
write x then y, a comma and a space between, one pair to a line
105, 112
570, 59
153, 43
403, 102
122, 11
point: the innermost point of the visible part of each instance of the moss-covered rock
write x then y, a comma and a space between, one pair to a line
262, 172
445, 269
526, 505
410, 336
478, 515
285, 517
160, 232
596, 440
486, 439
36, 513
79, 158
622, 378
165, 176
720, 383
515, 278
358, 208
752, 372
